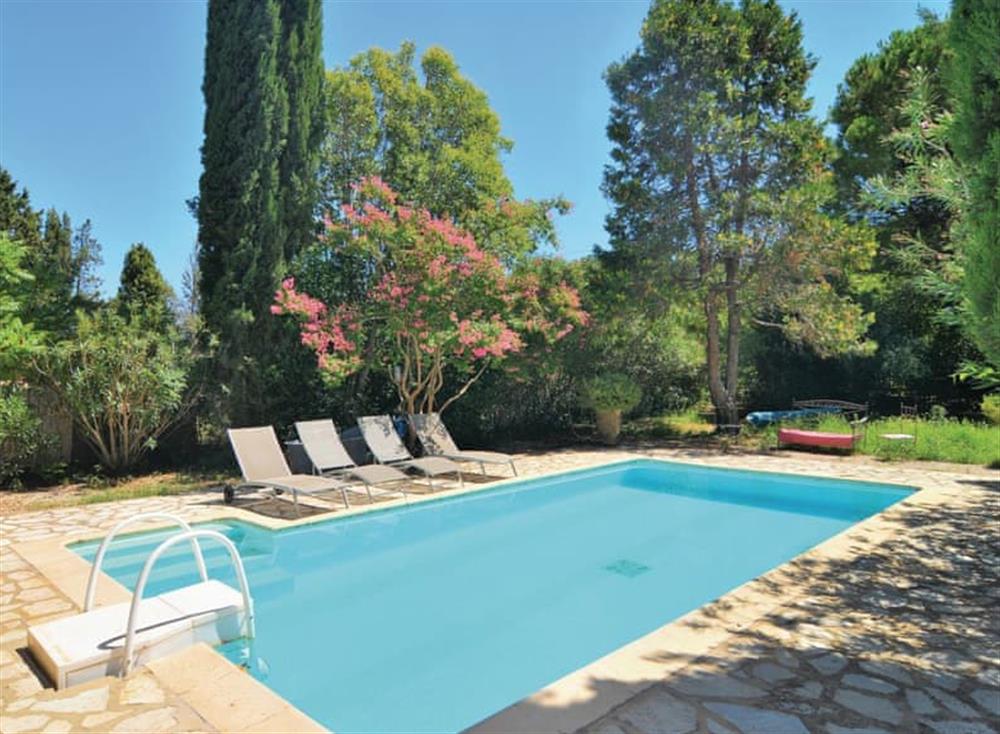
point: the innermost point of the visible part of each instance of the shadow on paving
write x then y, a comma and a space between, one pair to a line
903, 636
283, 507
991, 485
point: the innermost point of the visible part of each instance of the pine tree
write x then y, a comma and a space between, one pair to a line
143, 293
975, 81
302, 70
888, 108
719, 183
190, 293
86, 259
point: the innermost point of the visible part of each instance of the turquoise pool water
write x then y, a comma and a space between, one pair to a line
430, 618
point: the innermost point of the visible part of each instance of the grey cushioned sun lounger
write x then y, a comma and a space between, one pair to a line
328, 456
437, 441
263, 465
387, 448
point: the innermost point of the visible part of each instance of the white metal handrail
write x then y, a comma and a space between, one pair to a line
95, 571
140, 585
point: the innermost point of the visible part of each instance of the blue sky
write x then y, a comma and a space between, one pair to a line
101, 108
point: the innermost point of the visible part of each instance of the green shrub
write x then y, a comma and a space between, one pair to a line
938, 413
123, 383
21, 436
612, 391
689, 424
991, 408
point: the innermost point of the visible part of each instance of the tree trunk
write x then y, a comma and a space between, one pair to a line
713, 356
733, 329
720, 392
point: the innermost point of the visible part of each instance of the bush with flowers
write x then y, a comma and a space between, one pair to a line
435, 310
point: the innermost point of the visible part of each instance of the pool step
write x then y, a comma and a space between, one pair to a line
80, 648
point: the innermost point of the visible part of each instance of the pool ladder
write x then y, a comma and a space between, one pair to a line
88, 645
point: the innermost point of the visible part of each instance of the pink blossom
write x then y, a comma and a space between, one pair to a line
438, 294
374, 215
379, 187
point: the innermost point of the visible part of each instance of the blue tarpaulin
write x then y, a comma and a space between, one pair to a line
764, 417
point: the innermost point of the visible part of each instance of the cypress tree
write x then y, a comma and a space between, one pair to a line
17, 218
304, 75
57, 253
245, 121
241, 250
263, 87
143, 293
50, 260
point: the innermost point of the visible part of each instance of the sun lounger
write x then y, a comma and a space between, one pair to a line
437, 441
387, 448
329, 457
263, 466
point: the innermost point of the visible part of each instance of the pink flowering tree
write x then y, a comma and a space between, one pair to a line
435, 311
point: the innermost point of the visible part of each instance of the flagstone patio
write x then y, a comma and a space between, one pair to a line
894, 627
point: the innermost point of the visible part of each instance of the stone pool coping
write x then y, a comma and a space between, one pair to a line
635, 666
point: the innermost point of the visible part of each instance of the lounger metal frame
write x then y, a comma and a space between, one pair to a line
277, 488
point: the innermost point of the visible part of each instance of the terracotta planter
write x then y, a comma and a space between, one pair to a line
609, 425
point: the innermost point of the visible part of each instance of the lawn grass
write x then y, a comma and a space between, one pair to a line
954, 441
73, 495
689, 424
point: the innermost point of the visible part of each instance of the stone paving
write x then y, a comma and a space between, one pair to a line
900, 636
139, 704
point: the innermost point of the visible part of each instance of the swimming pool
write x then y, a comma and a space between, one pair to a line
434, 616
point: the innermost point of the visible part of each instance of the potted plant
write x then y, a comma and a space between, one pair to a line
609, 396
